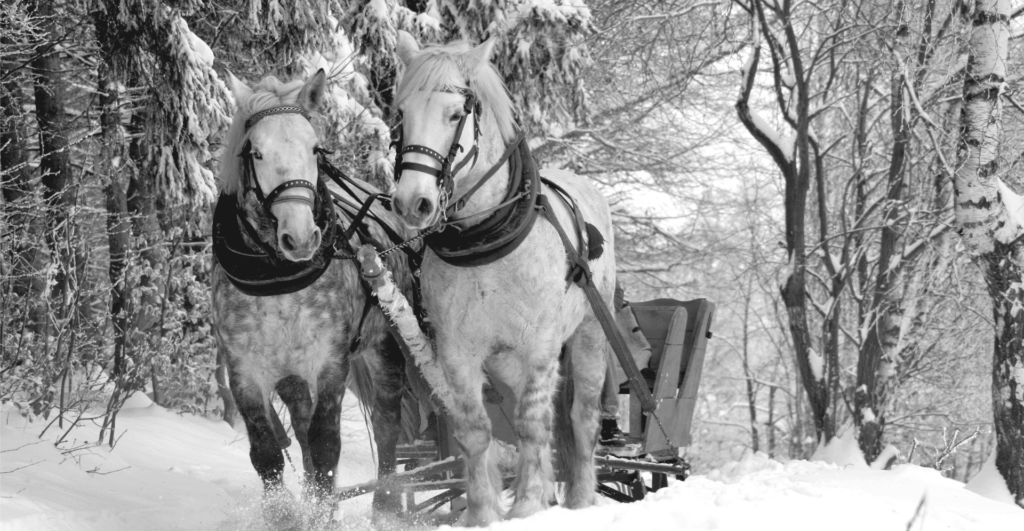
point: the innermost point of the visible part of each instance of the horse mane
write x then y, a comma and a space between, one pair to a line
269, 92
438, 67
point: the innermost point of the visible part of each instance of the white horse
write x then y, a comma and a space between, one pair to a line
513, 315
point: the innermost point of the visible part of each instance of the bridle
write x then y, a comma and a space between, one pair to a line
251, 183
445, 174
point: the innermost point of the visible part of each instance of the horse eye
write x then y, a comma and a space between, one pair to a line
257, 155
457, 116
636, 329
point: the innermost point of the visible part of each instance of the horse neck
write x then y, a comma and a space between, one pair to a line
493, 192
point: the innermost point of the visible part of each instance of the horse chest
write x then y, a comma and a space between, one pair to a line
269, 338
512, 299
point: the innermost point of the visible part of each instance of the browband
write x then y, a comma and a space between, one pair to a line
280, 109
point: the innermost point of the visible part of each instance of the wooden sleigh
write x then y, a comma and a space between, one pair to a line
678, 332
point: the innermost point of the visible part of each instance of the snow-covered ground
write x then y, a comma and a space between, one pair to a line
171, 472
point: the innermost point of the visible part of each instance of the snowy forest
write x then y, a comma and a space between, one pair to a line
844, 179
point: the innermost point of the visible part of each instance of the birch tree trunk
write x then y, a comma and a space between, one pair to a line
991, 232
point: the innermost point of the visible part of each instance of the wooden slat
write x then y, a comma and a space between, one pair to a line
660, 433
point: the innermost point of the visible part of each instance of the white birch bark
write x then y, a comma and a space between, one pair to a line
977, 203
987, 217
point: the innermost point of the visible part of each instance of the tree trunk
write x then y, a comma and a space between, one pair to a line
55, 159
770, 425
149, 237
751, 391
118, 222
16, 179
991, 234
876, 366
795, 168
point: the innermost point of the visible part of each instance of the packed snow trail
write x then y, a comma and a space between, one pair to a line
173, 472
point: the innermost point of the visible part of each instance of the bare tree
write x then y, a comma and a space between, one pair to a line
836, 78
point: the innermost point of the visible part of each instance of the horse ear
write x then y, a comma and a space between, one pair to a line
480, 55
239, 89
311, 97
407, 47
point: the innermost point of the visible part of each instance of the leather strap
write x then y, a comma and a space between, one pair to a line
586, 282
415, 166
273, 198
280, 109
459, 203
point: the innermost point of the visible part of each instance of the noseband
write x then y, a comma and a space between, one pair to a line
445, 175
252, 183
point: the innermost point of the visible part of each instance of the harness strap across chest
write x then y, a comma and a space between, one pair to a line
580, 274
590, 247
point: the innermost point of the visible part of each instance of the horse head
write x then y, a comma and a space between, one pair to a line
456, 114
277, 150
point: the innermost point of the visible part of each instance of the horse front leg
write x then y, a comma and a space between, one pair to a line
388, 380
535, 479
295, 393
265, 454
324, 437
472, 430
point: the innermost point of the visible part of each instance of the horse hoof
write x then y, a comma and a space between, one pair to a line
280, 512
478, 519
581, 501
386, 503
383, 520
525, 509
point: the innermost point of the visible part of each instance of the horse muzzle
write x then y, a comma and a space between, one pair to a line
418, 212
299, 249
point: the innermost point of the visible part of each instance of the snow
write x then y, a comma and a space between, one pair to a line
378, 9
202, 50
841, 451
784, 143
1012, 225
166, 472
989, 483
180, 472
817, 363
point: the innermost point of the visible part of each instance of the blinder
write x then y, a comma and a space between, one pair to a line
444, 174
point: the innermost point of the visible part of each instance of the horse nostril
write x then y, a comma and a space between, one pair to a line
287, 242
424, 206
315, 240
399, 207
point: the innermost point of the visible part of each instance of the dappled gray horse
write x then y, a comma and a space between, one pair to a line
289, 318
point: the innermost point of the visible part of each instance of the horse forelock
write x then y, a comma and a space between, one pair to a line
443, 67
269, 92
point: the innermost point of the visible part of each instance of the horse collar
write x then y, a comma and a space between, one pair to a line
504, 229
256, 268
